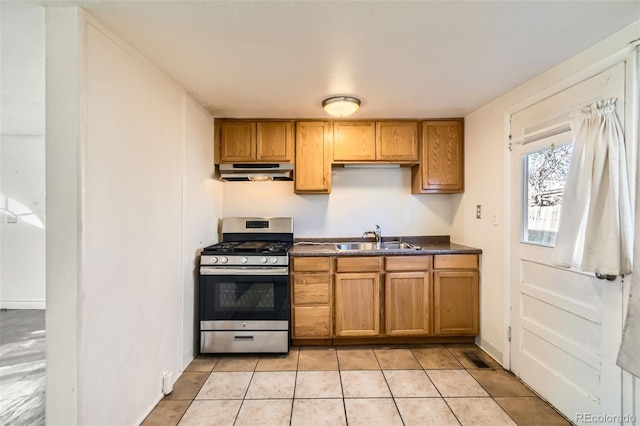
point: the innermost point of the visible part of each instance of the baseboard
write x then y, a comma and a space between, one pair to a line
149, 410
490, 349
23, 304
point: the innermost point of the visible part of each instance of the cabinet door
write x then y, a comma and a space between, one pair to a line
455, 303
275, 142
357, 304
313, 157
442, 161
407, 303
397, 141
354, 141
310, 264
311, 322
237, 141
311, 289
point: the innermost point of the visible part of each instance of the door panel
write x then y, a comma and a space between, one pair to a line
357, 304
566, 324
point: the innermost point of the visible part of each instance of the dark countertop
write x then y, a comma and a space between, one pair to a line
428, 244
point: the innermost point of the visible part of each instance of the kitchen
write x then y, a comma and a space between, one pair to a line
150, 118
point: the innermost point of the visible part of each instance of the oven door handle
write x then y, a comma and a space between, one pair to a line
208, 270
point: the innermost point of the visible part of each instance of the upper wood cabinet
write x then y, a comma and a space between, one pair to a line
368, 141
441, 168
255, 141
313, 157
274, 141
237, 141
397, 141
354, 141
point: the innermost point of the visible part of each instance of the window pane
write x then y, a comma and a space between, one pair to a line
545, 175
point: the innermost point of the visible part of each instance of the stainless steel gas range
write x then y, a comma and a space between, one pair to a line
244, 287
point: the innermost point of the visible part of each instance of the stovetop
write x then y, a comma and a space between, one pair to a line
249, 248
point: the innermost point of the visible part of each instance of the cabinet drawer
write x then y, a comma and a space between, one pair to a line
455, 261
310, 289
358, 264
310, 264
407, 263
311, 322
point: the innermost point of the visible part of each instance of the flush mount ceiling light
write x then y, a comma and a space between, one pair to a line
341, 106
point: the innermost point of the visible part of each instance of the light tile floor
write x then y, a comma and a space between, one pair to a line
363, 385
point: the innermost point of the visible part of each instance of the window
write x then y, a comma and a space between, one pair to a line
544, 178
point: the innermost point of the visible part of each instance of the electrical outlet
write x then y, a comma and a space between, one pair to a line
478, 211
12, 219
494, 219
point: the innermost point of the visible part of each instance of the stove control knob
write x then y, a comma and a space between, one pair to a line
244, 260
273, 260
213, 259
224, 259
264, 259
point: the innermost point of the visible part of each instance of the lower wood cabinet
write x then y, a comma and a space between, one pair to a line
456, 297
393, 296
407, 304
311, 298
407, 293
357, 304
357, 296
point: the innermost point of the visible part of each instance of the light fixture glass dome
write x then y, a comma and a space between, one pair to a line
341, 106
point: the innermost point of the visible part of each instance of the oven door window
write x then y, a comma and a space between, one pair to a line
233, 296
244, 298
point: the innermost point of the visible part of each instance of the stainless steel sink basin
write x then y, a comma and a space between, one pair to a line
375, 246
357, 246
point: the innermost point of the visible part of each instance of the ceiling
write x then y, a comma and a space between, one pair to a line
414, 59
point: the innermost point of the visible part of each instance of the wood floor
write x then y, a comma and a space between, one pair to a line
22, 367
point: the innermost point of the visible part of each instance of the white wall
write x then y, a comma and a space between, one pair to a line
360, 199
202, 202
146, 204
64, 31
487, 180
22, 172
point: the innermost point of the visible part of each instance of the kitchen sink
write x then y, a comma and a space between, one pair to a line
376, 246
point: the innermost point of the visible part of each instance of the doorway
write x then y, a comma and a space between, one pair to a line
565, 324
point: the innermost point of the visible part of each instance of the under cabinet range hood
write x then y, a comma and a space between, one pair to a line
256, 172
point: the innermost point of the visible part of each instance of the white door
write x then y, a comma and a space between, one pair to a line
565, 324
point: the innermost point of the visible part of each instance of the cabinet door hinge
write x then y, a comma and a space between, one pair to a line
509, 333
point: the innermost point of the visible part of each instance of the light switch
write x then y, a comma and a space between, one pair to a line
478, 211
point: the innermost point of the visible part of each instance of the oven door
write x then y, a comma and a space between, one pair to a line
244, 295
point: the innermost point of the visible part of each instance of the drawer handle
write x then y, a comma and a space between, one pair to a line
243, 338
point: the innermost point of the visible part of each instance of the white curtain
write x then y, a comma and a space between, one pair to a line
628, 357
595, 233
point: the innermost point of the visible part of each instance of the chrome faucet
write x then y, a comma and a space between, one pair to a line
377, 234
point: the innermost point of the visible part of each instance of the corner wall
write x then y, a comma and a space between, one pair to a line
145, 204
488, 183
